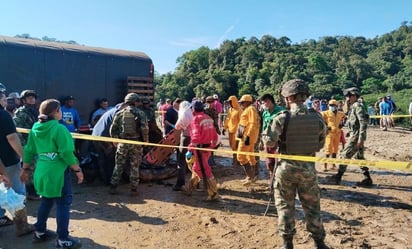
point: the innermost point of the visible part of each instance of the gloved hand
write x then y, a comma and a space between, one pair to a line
247, 142
189, 155
224, 132
240, 131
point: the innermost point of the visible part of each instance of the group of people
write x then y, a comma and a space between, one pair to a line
385, 107
293, 129
47, 153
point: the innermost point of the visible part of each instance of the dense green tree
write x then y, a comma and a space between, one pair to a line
330, 64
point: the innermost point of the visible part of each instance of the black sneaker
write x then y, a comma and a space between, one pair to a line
68, 243
46, 236
367, 182
177, 188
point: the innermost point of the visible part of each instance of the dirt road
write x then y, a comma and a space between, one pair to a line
377, 217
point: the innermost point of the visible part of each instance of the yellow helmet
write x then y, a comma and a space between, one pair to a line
246, 98
333, 102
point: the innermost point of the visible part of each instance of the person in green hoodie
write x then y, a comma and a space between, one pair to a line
50, 148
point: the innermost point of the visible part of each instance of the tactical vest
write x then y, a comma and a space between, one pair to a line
302, 135
128, 125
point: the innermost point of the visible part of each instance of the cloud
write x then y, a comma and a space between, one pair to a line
225, 34
190, 42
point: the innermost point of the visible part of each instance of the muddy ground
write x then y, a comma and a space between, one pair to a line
377, 217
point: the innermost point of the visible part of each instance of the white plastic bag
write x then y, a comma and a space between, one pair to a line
10, 200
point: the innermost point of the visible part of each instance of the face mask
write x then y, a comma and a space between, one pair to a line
332, 108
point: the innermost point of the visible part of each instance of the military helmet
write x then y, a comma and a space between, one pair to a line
295, 86
198, 106
27, 93
145, 100
2, 88
246, 98
352, 91
130, 98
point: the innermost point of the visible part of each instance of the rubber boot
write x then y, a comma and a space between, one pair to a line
320, 244
367, 181
212, 189
22, 227
256, 172
335, 179
325, 165
333, 165
235, 162
188, 189
287, 243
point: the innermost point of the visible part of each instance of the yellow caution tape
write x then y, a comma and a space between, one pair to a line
391, 116
392, 165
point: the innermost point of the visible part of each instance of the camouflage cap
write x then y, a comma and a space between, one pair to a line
295, 86
145, 100
130, 98
352, 91
27, 93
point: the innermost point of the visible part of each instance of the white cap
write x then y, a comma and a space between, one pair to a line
215, 96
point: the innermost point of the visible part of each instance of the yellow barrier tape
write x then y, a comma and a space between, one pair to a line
392, 116
392, 165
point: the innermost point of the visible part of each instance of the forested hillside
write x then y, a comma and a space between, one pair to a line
256, 66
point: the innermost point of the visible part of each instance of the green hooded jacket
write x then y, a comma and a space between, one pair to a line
51, 146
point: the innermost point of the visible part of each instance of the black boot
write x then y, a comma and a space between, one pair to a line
335, 179
367, 181
320, 244
287, 243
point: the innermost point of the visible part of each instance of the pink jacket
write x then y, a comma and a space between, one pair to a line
218, 106
202, 130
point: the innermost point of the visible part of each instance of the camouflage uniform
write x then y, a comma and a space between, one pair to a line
357, 122
128, 152
25, 117
292, 176
211, 112
155, 134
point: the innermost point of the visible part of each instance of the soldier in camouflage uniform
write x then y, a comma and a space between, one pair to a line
129, 123
24, 117
155, 134
357, 122
298, 131
210, 110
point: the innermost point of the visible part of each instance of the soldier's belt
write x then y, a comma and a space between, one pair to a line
392, 165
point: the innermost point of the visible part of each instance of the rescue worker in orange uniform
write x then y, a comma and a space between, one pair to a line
334, 119
230, 125
247, 134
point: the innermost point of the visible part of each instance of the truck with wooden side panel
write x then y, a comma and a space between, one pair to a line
56, 69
